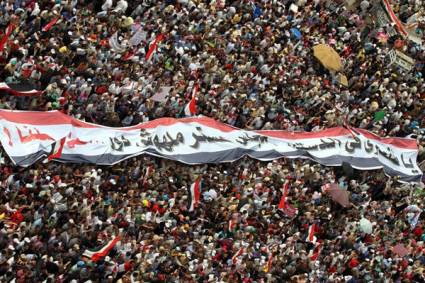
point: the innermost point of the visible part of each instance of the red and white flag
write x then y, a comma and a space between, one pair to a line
190, 109
153, 46
101, 253
50, 24
232, 225
194, 194
284, 205
283, 202
10, 28
314, 254
148, 172
311, 231
237, 254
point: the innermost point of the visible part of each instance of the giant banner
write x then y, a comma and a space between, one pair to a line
30, 136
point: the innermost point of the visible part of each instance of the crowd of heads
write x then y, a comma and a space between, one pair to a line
254, 64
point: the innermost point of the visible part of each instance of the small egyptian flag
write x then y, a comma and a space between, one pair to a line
311, 231
148, 173
10, 28
47, 27
284, 206
153, 46
237, 254
102, 252
232, 225
194, 194
316, 251
191, 109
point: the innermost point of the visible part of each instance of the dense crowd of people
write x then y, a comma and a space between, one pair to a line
254, 65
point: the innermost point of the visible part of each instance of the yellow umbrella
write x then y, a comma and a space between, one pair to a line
328, 57
343, 80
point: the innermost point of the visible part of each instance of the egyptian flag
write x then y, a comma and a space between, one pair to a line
124, 267
232, 225
148, 172
315, 253
47, 27
237, 254
10, 28
153, 46
57, 149
284, 206
102, 252
19, 89
194, 194
190, 109
311, 231
388, 9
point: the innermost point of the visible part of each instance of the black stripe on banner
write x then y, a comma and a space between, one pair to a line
226, 156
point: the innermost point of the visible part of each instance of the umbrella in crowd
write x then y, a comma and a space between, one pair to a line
339, 195
328, 57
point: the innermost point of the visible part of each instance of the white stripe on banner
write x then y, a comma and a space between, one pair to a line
30, 136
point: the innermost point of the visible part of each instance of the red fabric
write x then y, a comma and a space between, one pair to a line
50, 24
353, 263
105, 251
128, 266
153, 46
101, 89
418, 231
17, 216
10, 28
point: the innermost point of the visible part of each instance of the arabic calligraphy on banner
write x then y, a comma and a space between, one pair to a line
30, 136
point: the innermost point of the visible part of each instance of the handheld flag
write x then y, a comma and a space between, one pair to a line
10, 28
102, 252
284, 205
311, 231
194, 194
237, 254
47, 27
191, 109
153, 46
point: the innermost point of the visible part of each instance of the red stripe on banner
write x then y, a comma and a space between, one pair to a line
58, 118
13, 92
38, 118
398, 142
